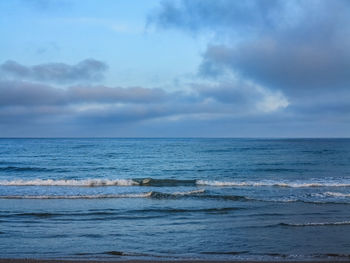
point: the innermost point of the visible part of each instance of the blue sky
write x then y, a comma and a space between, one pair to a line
181, 68
115, 32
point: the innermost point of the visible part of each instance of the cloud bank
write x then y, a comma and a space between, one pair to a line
88, 70
28, 105
297, 48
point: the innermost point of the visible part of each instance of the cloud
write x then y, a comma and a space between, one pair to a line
85, 71
270, 68
109, 95
243, 96
297, 49
283, 65
27, 103
15, 93
251, 16
201, 15
32, 109
28, 108
20, 93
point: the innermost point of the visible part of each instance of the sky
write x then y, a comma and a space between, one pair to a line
180, 68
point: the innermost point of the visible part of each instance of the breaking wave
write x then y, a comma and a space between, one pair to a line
336, 194
174, 182
86, 183
297, 184
151, 194
103, 196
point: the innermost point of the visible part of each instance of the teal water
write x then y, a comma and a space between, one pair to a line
225, 199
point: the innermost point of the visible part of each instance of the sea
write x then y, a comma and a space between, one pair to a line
175, 199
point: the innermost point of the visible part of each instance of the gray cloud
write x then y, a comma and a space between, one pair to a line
297, 47
295, 69
108, 95
30, 109
25, 104
229, 93
242, 97
85, 71
33, 107
19, 93
15, 93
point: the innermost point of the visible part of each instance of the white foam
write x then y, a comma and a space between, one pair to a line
272, 183
200, 191
141, 195
336, 194
130, 182
102, 196
86, 183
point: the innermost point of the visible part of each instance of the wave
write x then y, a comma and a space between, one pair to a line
299, 257
103, 196
34, 214
161, 195
272, 183
200, 193
197, 194
107, 214
224, 253
342, 223
30, 169
99, 182
151, 194
86, 183
331, 255
172, 182
164, 182
336, 194
115, 253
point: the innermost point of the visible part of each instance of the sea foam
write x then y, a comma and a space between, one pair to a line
296, 184
151, 194
86, 183
145, 182
336, 194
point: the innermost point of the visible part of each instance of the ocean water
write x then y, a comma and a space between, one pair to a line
226, 199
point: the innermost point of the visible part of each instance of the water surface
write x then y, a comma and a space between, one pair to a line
175, 198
